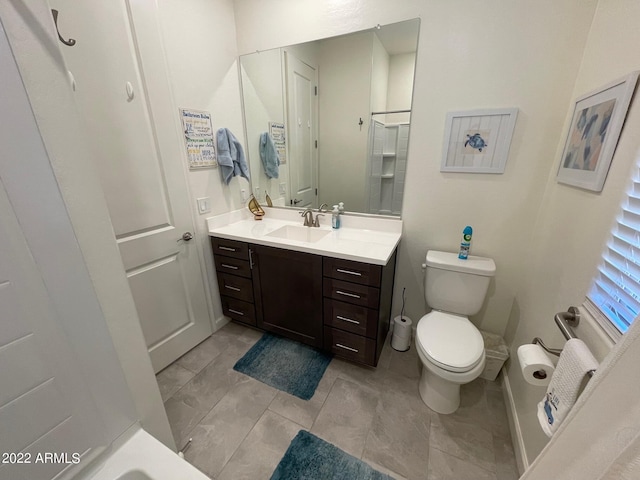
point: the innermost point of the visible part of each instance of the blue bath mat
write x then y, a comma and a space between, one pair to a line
284, 364
310, 458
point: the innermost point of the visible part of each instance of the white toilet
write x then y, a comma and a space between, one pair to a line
449, 345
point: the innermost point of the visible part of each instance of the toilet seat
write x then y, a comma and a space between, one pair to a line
450, 341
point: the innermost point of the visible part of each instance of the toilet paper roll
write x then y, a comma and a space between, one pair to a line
536, 366
401, 337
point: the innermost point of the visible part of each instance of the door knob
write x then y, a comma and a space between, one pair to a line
186, 236
296, 201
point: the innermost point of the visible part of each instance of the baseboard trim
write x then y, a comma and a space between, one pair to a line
221, 322
514, 424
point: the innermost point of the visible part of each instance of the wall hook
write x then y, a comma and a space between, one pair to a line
71, 42
360, 123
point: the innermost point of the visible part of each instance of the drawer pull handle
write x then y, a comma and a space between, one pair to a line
236, 312
232, 267
228, 249
354, 350
235, 289
349, 272
347, 320
347, 294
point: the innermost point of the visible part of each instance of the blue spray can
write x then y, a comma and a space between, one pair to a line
465, 244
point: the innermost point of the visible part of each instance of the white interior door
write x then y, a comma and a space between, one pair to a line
302, 125
141, 174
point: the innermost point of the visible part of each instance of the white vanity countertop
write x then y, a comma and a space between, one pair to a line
361, 238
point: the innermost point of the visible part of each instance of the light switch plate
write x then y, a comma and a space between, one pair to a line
204, 205
283, 188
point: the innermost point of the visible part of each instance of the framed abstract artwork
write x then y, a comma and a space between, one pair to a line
478, 141
593, 134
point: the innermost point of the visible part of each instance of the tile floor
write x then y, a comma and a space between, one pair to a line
241, 427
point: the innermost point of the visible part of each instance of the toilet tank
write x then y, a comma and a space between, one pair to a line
457, 286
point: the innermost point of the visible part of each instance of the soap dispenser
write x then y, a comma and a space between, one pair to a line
335, 217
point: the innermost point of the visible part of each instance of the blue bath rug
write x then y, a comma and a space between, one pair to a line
310, 458
284, 364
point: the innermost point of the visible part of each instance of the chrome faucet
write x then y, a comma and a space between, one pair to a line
308, 217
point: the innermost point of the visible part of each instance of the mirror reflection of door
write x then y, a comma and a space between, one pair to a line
302, 124
362, 76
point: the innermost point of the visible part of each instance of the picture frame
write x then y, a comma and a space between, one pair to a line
478, 141
594, 131
199, 138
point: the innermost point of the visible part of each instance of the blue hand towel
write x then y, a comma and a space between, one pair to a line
230, 156
269, 156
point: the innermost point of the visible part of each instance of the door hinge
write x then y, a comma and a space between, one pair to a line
316, 143
315, 89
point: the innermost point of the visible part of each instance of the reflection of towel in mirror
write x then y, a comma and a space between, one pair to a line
230, 156
269, 156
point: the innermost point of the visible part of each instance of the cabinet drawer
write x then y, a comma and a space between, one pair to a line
230, 248
234, 266
351, 292
236, 287
238, 310
357, 272
352, 318
350, 346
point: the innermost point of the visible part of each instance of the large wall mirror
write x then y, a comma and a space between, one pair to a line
336, 113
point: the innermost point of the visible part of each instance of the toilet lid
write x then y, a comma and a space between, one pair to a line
450, 341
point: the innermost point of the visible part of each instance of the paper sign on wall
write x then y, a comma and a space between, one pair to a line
276, 130
198, 138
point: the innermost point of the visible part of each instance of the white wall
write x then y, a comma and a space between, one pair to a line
262, 90
305, 52
574, 224
401, 72
379, 76
344, 98
505, 54
201, 55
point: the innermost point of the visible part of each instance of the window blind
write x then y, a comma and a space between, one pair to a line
615, 290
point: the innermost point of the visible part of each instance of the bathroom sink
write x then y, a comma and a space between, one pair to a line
299, 234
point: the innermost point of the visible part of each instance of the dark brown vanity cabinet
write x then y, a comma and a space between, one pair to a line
235, 279
357, 308
288, 289
339, 305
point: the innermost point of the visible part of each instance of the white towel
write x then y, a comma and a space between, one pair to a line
575, 361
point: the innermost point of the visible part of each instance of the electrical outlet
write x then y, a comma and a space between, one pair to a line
283, 188
204, 205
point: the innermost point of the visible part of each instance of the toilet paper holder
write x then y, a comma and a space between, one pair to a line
565, 322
